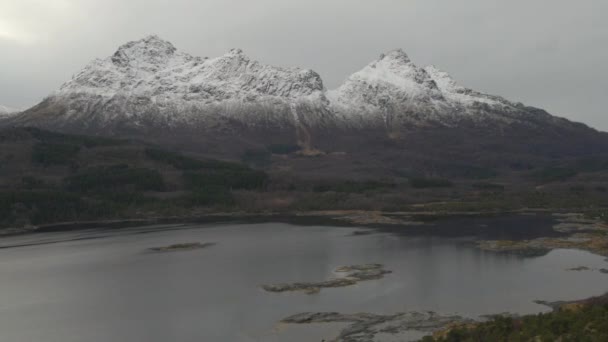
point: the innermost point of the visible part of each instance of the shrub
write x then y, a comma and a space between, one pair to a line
54, 153
174, 159
471, 172
259, 158
283, 148
592, 164
353, 186
488, 186
226, 178
182, 162
111, 178
210, 196
320, 201
577, 188
73, 139
421, 183
554, 174
39, 206
589, 323
29, 182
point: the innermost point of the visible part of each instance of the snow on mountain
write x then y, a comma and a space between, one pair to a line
456, 93
150, 82
396, 92
153, 67
150, 79
393, 71
388, 85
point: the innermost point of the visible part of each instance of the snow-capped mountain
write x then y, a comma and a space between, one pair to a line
154, 68
150, 82
396, 92
148, 88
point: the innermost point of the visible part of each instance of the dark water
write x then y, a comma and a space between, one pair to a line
103, 286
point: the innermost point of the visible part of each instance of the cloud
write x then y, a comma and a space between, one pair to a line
32, 21
11, 33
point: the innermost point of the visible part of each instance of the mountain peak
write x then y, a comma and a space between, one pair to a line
151, 49
149, 43
396, 55
235, 52
152, 38
395, 70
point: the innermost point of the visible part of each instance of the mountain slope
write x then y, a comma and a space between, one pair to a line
391, 113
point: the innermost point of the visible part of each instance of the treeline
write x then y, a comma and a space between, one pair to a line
115, 178
95, 186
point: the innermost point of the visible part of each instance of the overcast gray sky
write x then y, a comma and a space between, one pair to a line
547, 53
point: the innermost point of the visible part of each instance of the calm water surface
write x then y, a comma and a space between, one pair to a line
101, 285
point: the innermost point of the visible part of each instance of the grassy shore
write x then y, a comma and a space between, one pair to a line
585, 320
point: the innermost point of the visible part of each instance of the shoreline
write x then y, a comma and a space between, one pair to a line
348, 218
530, 232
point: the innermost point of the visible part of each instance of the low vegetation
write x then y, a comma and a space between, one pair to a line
114, 178
486, 186
18, 208
283, 148
95, 179
471, 172
72, 139
354, 186
228, 178
257, 158
182, 162
554, 174
54, 153
421, 183
51, 177
584, 322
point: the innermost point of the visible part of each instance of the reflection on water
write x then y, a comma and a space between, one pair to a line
103, 286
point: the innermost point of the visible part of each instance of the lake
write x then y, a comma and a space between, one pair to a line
104, 285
